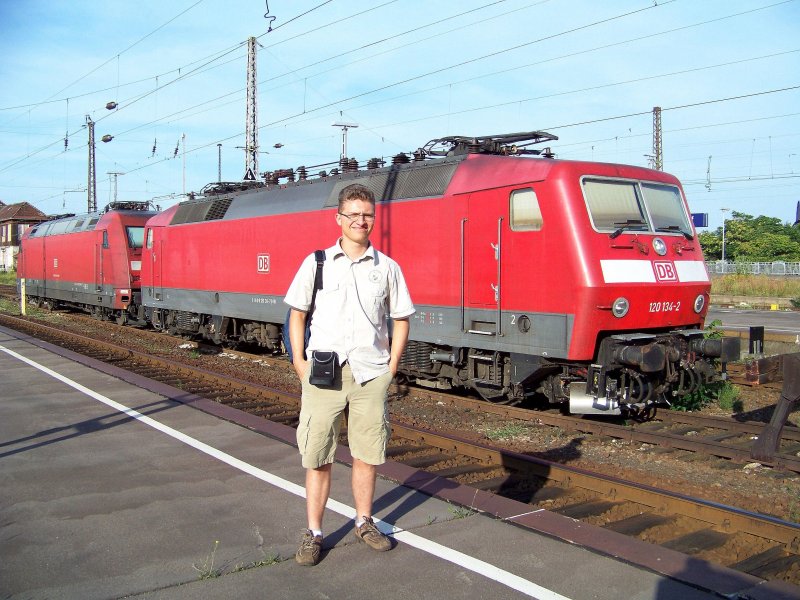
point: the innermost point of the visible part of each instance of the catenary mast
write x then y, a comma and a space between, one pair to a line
251, 129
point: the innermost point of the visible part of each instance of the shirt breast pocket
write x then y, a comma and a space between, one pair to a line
376, 304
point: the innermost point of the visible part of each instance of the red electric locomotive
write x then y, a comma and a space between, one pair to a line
90, 262
583, 282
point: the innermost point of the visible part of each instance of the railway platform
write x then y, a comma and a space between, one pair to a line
112, 487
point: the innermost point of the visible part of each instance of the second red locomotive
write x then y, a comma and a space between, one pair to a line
91, 262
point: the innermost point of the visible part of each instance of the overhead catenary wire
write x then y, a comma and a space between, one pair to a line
515, 47
463, 63
116, 56
187, 112
587, 122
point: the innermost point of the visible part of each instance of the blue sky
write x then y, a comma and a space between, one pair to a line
726, 74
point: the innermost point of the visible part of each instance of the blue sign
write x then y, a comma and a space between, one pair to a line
700, 219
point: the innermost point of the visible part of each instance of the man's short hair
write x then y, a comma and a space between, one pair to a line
355, 191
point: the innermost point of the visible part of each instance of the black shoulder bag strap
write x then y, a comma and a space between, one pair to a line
319, 255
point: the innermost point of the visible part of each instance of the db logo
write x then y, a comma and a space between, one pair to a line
665, 271
263, 263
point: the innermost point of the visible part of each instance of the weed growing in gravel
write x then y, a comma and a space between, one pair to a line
505, 432
722, 391
728, 397
207, 570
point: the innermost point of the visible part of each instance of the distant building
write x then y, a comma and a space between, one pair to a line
14, 220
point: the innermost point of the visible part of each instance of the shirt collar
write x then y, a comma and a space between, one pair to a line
336, 252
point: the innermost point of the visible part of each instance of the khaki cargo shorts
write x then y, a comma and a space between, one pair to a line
322, 412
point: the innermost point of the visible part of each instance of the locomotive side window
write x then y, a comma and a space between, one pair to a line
105, 239
149, 238
665, 207
525, 212
59, 227
612, 203
135, 236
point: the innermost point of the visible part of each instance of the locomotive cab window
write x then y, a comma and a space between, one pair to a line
636, 206
149, 238
525, 212
614, 203
135, 236
666, 208
105, 238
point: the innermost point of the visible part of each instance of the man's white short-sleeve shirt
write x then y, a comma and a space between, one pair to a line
350, 316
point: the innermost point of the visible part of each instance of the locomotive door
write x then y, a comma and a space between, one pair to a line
98, 266
156, 291
43, 289
486, 217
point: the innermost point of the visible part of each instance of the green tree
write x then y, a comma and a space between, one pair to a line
768, 247
711, 243
753, 239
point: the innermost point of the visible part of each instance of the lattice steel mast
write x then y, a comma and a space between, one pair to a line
92, 186
658, 158
251, 130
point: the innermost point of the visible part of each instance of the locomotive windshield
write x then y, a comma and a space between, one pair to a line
635, 206
665, 207
135, 236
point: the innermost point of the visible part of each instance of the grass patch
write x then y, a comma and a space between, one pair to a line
9, 307
737, 284
8, 277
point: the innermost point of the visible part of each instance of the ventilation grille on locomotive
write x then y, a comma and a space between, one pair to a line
201, 210
408, 182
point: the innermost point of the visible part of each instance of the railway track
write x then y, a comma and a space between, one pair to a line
668, 430
762, 546
689, 432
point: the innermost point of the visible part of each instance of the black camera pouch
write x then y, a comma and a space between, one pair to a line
323, 368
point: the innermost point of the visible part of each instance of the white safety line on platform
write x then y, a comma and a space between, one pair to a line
471, 563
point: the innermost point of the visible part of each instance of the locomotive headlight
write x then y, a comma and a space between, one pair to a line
699, 303
659, 246
620, 307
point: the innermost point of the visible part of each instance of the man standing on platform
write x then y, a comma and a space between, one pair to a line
361, 289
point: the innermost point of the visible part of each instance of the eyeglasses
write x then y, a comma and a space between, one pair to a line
356, 216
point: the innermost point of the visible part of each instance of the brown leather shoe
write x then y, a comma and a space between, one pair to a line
370, 535
309, 550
